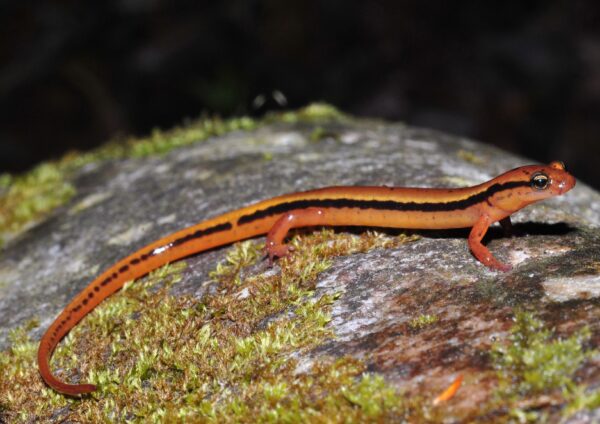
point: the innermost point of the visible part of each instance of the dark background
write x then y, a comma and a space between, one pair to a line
521, 75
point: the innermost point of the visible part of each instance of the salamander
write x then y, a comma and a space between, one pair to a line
475, 207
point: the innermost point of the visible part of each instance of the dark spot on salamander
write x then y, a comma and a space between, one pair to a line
135, 261
85, 301
97, 288
90, 295
123, 268
106, 281
114, 275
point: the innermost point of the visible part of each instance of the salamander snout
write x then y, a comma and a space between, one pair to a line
562, 181
566, 183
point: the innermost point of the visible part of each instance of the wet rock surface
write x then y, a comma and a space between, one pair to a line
123, 205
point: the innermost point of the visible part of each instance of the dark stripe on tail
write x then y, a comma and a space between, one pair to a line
202, 233
191, 236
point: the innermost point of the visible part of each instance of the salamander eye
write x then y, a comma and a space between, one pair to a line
540, 181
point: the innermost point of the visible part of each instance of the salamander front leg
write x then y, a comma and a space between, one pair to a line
293, 219
481, 252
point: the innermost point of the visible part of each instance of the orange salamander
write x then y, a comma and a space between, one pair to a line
475, 207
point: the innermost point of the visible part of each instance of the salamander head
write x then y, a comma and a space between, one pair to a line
533, 183
550, 180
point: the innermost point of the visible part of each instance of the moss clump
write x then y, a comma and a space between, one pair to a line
25, 198
537, 365
315, 112
320, 133
336, 391
160, 142
225, 358
239, 257
422, 321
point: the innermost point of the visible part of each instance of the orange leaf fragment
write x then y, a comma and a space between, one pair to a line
450, 391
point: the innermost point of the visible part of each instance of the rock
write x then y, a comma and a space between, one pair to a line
419, 314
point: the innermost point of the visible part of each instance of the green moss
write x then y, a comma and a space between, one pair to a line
160, 142
537, 363
422, 321
334, 391
315, 112
240, 256
225, 358
5, 180
25, 198
320, 133
582, 399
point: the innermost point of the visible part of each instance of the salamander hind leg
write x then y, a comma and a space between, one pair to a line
481, 252
296, 218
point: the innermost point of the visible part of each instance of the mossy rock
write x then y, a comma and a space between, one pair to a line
358, 326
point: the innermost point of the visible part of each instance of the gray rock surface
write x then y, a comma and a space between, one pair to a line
122, 205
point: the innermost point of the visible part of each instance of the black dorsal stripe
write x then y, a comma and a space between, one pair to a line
202, 233
382, 204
